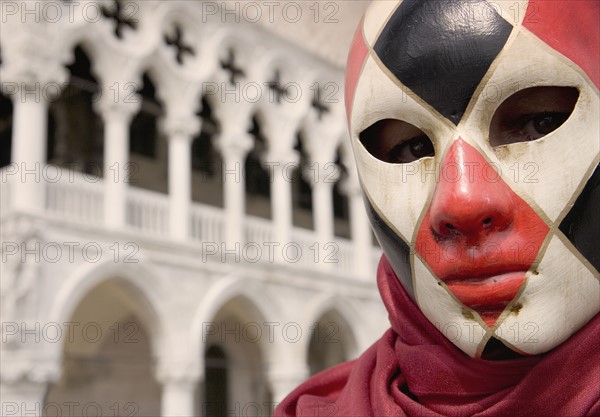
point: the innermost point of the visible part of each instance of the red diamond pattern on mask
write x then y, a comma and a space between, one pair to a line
356, 59
570, 28
478, 236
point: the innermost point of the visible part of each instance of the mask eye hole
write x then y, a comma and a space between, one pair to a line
396, 142
531, 114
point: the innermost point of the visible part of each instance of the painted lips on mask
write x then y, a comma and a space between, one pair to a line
478, 236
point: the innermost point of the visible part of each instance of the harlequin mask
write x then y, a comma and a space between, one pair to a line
475, 127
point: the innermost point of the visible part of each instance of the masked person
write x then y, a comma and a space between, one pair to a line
475, 127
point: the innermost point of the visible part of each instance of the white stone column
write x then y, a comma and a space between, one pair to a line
360, 229
31, 75
178, 370
234, 147
280, 127
322, 179
178, 394
29, 147
180, 132
281, 168
320, 141
117, 118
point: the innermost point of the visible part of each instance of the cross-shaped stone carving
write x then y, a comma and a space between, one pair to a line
317, 104
116, 14
177, 42
233, 70
277, 88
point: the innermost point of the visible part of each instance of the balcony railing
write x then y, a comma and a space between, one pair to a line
80, 200
73, 197
147, 211
207, 223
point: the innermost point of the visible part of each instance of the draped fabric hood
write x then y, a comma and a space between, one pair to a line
414, 370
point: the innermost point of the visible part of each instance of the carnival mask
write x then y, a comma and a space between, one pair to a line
475, 127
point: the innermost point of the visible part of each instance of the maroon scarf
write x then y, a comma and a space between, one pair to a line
413, 370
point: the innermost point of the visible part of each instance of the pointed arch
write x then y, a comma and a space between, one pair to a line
142, 283
233, 319
303, 180
227, 289
356, 326
115, 361
257, 179
75, 130
207, 162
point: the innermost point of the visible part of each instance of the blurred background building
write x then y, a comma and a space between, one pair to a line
182, 226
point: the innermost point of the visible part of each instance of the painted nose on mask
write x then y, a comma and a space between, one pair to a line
470, 200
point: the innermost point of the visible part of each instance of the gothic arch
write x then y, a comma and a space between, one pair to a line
126, 341
348, 313
109, 57
142, 281
227, 289
236, 317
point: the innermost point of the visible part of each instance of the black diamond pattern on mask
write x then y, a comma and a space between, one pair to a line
441, 49
395, 248
496, 350
581, 226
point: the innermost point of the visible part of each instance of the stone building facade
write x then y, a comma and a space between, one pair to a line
182, 226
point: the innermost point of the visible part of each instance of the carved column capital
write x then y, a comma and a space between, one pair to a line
177, 373
181, 126
29, 365
275, 159
31, 61
280, 130
111, 109
234, 143
36, 78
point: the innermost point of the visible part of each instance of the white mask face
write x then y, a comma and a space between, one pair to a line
477, 145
